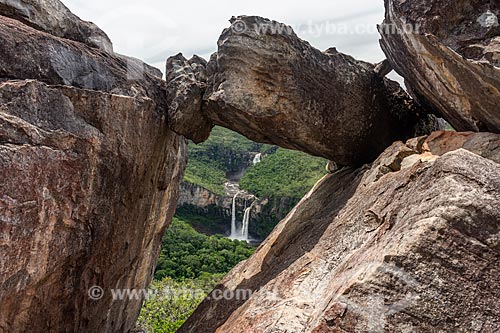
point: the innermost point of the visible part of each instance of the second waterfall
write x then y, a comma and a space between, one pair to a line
240, 232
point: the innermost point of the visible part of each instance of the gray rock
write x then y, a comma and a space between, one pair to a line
54, 18
449, 54
26, 53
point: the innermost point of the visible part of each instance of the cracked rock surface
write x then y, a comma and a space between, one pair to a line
448, 52
89, 173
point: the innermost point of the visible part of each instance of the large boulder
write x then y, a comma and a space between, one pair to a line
448, 52
89, 185
89, 170
410, 244
56, 19
269, 85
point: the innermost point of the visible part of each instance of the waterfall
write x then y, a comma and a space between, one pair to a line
234, 233
246, 221
257, 159
242, 232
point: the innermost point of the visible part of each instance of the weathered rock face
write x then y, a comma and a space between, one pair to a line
186, 86
89, 185
449, 54
27, 53
54, 18
269, 85
89, 175
363, 253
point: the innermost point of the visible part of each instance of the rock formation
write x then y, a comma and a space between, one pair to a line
269, 85
367, 250
92, 151
89, 174
449, 54
54, 18
186, 85
27, 53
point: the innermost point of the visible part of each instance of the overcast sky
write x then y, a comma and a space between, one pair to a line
153, 30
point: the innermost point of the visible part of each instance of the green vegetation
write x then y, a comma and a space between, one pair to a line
174, 303
221, 140
190, 266
284, 176
191, 263
224, 152
187, 254
286, 173
283, 173
206, 175
208, 221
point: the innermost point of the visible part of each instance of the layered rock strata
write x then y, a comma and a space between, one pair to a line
449, 55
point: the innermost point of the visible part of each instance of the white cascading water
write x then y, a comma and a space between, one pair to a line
257, 159
234, 233
240, 233
246, 222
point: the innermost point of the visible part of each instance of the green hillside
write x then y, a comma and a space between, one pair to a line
284, 176
286, 173
282, 173
225, 151
191, 263
190, 266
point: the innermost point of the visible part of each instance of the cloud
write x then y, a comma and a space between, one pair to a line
153, 30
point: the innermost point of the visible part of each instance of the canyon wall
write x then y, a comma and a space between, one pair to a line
266, 212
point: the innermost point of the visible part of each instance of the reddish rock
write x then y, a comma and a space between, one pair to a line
89, 183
